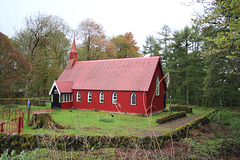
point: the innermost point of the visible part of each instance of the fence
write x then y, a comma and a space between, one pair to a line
13, 121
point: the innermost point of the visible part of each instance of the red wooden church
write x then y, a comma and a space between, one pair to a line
127, 85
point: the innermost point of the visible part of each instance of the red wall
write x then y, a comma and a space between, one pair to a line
123, 101
155, 104
66, 105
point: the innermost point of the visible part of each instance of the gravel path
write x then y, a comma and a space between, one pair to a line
162, 128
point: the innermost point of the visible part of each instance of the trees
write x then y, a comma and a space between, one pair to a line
93, 40
152, 46
13, 67
95, 45
180, 56
186, 67
44, 44
125, 46
221, 31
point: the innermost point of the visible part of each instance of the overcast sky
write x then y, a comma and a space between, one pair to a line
141, 17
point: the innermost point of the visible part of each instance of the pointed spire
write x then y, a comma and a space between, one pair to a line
73, 52
74, 48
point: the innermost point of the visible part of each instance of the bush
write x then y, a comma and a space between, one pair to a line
180, 108
10, 106
171, 117
105, 119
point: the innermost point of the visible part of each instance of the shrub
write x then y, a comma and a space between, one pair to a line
105, 119
171, 117
10, 106
180, 108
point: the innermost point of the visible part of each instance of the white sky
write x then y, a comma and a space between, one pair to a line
141, 17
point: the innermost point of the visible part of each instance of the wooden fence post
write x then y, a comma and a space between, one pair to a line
19, 124
2, 126
22, 119
9, 113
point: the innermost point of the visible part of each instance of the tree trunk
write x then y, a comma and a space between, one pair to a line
187, 95
27, 83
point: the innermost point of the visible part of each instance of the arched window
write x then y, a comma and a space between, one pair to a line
78, 97
89, 100
157, 86
133, 99
101, 97
114, 98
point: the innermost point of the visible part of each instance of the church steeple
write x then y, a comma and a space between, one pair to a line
73, 52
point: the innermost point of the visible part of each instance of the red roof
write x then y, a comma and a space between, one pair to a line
64, 87
129, 74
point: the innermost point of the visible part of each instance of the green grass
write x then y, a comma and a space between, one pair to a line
86, 122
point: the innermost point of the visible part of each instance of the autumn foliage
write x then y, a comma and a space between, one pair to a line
13, 66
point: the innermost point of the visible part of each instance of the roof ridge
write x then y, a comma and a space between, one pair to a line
120, 59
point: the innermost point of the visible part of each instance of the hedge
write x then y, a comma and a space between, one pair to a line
23, 101
180, 108
81, 142
171, 117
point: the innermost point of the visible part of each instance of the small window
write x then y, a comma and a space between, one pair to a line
89, 100
78, 97
101, 97
63, 95
114, 98
67, 97
133, 99
157, 86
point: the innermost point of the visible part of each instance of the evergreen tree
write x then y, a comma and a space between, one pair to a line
152, 46
220, 30
186, 67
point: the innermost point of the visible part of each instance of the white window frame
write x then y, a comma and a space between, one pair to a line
114, 98
89, 97
78, 96
133, 99
52, 97
157, 86
66, 96
63, 97
101, 97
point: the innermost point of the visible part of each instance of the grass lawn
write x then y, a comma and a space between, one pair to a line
86, 122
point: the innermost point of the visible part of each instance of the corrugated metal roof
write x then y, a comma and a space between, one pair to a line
130, 74
64, 87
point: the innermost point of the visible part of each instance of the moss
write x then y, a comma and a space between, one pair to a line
171, 117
